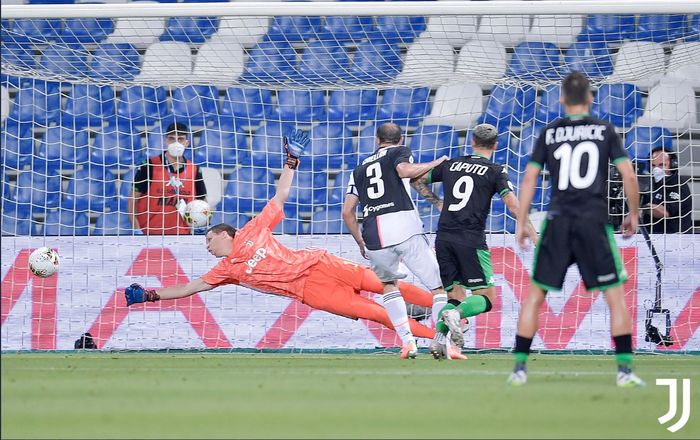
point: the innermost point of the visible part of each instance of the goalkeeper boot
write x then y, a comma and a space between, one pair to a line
409, 350
438, 346
453, 321
627, 379
519, 375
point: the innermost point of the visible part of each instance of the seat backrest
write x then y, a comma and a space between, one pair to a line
138, 31
671, 103
195, 101
510, 105
270, 61
620, 104
250, 105
535, 60
407, 106
65, 222
375, 62
661, 28
608, 27
214, 184
630, 68
189, 29
86, 30
456, 104
430, 142
328, 221
402, 28
640, 140
68, 145
323, 61
561, 30
62, 60
428, 62
38, 188
481, 59
166, 61
142, 102
18, 55
506, 29
294, 28
344, 29
5, 103
300, 105
548, 107
218, 63
90, 100
246, 31
38, 102
113, 223
683, 63
36, 30
353, 105
591, 58
115, 62
248, 182
454, 30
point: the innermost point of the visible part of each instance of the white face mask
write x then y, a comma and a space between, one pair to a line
176, 149
658, 174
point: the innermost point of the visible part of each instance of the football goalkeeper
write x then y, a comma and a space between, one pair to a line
252, 257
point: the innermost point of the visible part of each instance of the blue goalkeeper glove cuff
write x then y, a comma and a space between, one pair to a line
137, 294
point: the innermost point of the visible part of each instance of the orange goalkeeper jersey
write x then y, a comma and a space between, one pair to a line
260, 262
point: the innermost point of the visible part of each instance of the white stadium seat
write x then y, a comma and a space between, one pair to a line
141, 32
214, 184
165, 62
483, 61
638, 62
218, 63
671, 104
428, 63
685, 63
561, 30
509, 30
5, 97
455, 30
457, 104
247, 31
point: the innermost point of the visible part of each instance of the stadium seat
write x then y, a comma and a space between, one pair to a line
591, 58
500, 223
17, 145
291, 226
607, 28
113, 223
270, 62
140, 32
267, 144
38, 102
246, 106
339, 188
115, 62
19, 56
250, 188
88, 105
191, 30
166, 62
65, 222
79, 31
456, 104
330, 147
561, 30
619, 104
346, 29
91, 189
510, 106
671, 104
353, 106
60, 60
195, 105
535, 60
640, 140
683, 64
428, 63
293, 28
481, 61
401, 29
5, 102
37, 191
218, 63
430, 222
454, 30
548, 107
528, 139
661, 28
230, 218
246, 31
506, 29
299, 106
630, 68
115, 146
328, 221
222, 146
63, 148
404, 106
309, 190
429, 142
375, 62
15, 221
35, 30
322, 62
367, 142
694, 28
141, 105
126, 185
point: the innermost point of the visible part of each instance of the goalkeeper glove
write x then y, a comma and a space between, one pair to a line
294, 145
136, 294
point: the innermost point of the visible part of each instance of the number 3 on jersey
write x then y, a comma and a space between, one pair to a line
462, 191
570, 164
375, 189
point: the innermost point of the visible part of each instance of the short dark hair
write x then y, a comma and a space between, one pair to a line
223, 227
178, 127
575, 89
485, 136
389, 133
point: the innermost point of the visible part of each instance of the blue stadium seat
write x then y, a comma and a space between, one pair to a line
92, 189
430, 142
294, 29
591, 58
535, 60
300, 106
35, 30
15, 220
375, 62
267, 144
195, 105
323, 62
125, 187
248, 189
86, 30
115, 62
20, 56
367, 142
339, 188
608, 28
510, 106
548, 107
270, 62
141, 105
38, 190
114, 146
113, 223
65, 222
328, 221
88, 105
694, 29
430, 222
353, 107
309, 190
398, 29
17, 145
247, 106
290, 226
350, 29
230, 218
619, 104
506, 147
63, 148
189, 29
639, 141
404, 106
222, 146
38, 102
662, 28
528, 139
330, 147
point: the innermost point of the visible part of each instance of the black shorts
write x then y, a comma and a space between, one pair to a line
591, 245
466, 266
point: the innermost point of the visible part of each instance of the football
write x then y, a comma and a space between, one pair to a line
43, 262
197, 213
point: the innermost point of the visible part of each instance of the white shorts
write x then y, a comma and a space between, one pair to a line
415, 253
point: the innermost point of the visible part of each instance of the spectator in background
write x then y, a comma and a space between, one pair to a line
164, 185
671, 207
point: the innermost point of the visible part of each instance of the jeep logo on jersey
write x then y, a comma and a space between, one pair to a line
260, 254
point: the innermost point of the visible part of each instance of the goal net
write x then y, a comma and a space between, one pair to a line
89, 93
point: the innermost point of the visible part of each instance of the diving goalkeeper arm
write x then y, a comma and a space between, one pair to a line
138, 294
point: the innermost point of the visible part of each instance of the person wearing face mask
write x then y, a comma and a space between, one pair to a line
164, 185
671, 204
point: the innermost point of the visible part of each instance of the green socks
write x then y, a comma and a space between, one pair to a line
439, 325
472, 306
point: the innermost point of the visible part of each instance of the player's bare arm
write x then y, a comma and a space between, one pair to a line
414, 170
527, 192
294, 145
631, 187
420, 184
137, 294
350, 219
513, 206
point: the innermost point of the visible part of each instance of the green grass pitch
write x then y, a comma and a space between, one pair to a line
212, 395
